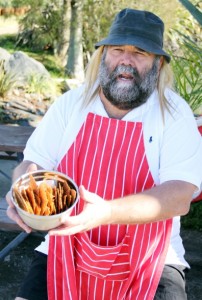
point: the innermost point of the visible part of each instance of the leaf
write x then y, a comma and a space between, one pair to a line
193, 10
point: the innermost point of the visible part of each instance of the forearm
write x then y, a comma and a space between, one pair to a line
162, 202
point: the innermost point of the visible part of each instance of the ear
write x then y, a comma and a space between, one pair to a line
161, 62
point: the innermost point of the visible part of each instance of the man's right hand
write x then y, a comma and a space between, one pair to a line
24, 167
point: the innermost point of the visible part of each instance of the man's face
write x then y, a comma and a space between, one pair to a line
128, 76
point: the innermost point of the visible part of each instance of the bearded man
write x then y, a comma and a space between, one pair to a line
124, 137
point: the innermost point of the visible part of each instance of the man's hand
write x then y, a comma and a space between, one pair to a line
96, 212
13, 215
23, 168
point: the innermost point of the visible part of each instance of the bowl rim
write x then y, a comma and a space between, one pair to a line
33, 216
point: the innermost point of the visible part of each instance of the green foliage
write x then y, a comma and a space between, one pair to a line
186, 50
7, 42
37, 83
5, 3
193, 10
188, 68
193, 219
7, 80
20, 3
40, 26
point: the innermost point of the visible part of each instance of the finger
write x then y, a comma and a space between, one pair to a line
8, 199
71, 221
88, 196
13, 215
67, 230
31, 168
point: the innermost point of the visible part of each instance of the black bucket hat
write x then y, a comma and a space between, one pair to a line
142, 29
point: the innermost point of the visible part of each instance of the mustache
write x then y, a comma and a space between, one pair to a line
125, 69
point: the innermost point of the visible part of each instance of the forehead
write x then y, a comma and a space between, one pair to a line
126, 47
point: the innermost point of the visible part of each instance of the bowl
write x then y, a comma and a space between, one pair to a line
43, 197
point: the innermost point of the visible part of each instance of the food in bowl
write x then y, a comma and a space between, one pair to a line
43, 197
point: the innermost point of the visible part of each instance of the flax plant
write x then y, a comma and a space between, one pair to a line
188, 69
187, 63
7, 81
40, 84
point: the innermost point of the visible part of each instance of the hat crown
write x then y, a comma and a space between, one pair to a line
129, 14
138, 23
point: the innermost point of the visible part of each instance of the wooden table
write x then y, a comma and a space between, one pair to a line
13, 139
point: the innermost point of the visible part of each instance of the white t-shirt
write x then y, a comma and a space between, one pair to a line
173, 146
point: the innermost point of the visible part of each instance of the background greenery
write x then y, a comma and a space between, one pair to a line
194, 218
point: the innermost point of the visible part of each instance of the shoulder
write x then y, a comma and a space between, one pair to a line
68, 103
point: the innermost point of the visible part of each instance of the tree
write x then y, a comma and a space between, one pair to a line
39, 28
75, 65
63, 40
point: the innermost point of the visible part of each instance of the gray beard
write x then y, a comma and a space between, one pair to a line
130, 94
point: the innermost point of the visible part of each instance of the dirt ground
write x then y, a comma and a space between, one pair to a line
15, 265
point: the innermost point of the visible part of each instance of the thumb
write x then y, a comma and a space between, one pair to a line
32, 167
88, 196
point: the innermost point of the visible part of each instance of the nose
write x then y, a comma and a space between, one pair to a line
127, 59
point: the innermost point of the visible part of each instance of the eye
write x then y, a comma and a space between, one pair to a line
141, 52
117, 49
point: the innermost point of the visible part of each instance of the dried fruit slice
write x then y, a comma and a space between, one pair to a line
23, 204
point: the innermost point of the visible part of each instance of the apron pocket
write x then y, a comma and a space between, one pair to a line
105, 262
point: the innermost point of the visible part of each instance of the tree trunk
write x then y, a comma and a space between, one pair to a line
75, 65
64, 33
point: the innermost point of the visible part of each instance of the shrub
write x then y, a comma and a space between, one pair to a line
7, 80
40, 84
188, 68
187, 58
193, 218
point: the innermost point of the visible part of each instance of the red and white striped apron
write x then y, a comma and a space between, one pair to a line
111, 262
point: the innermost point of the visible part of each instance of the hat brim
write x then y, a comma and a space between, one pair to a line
145, 44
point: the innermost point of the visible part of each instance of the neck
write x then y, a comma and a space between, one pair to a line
112, 111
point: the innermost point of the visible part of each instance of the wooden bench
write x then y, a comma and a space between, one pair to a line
8, 225
5, 222
13, 140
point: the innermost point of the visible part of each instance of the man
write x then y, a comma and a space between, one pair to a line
133, 147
